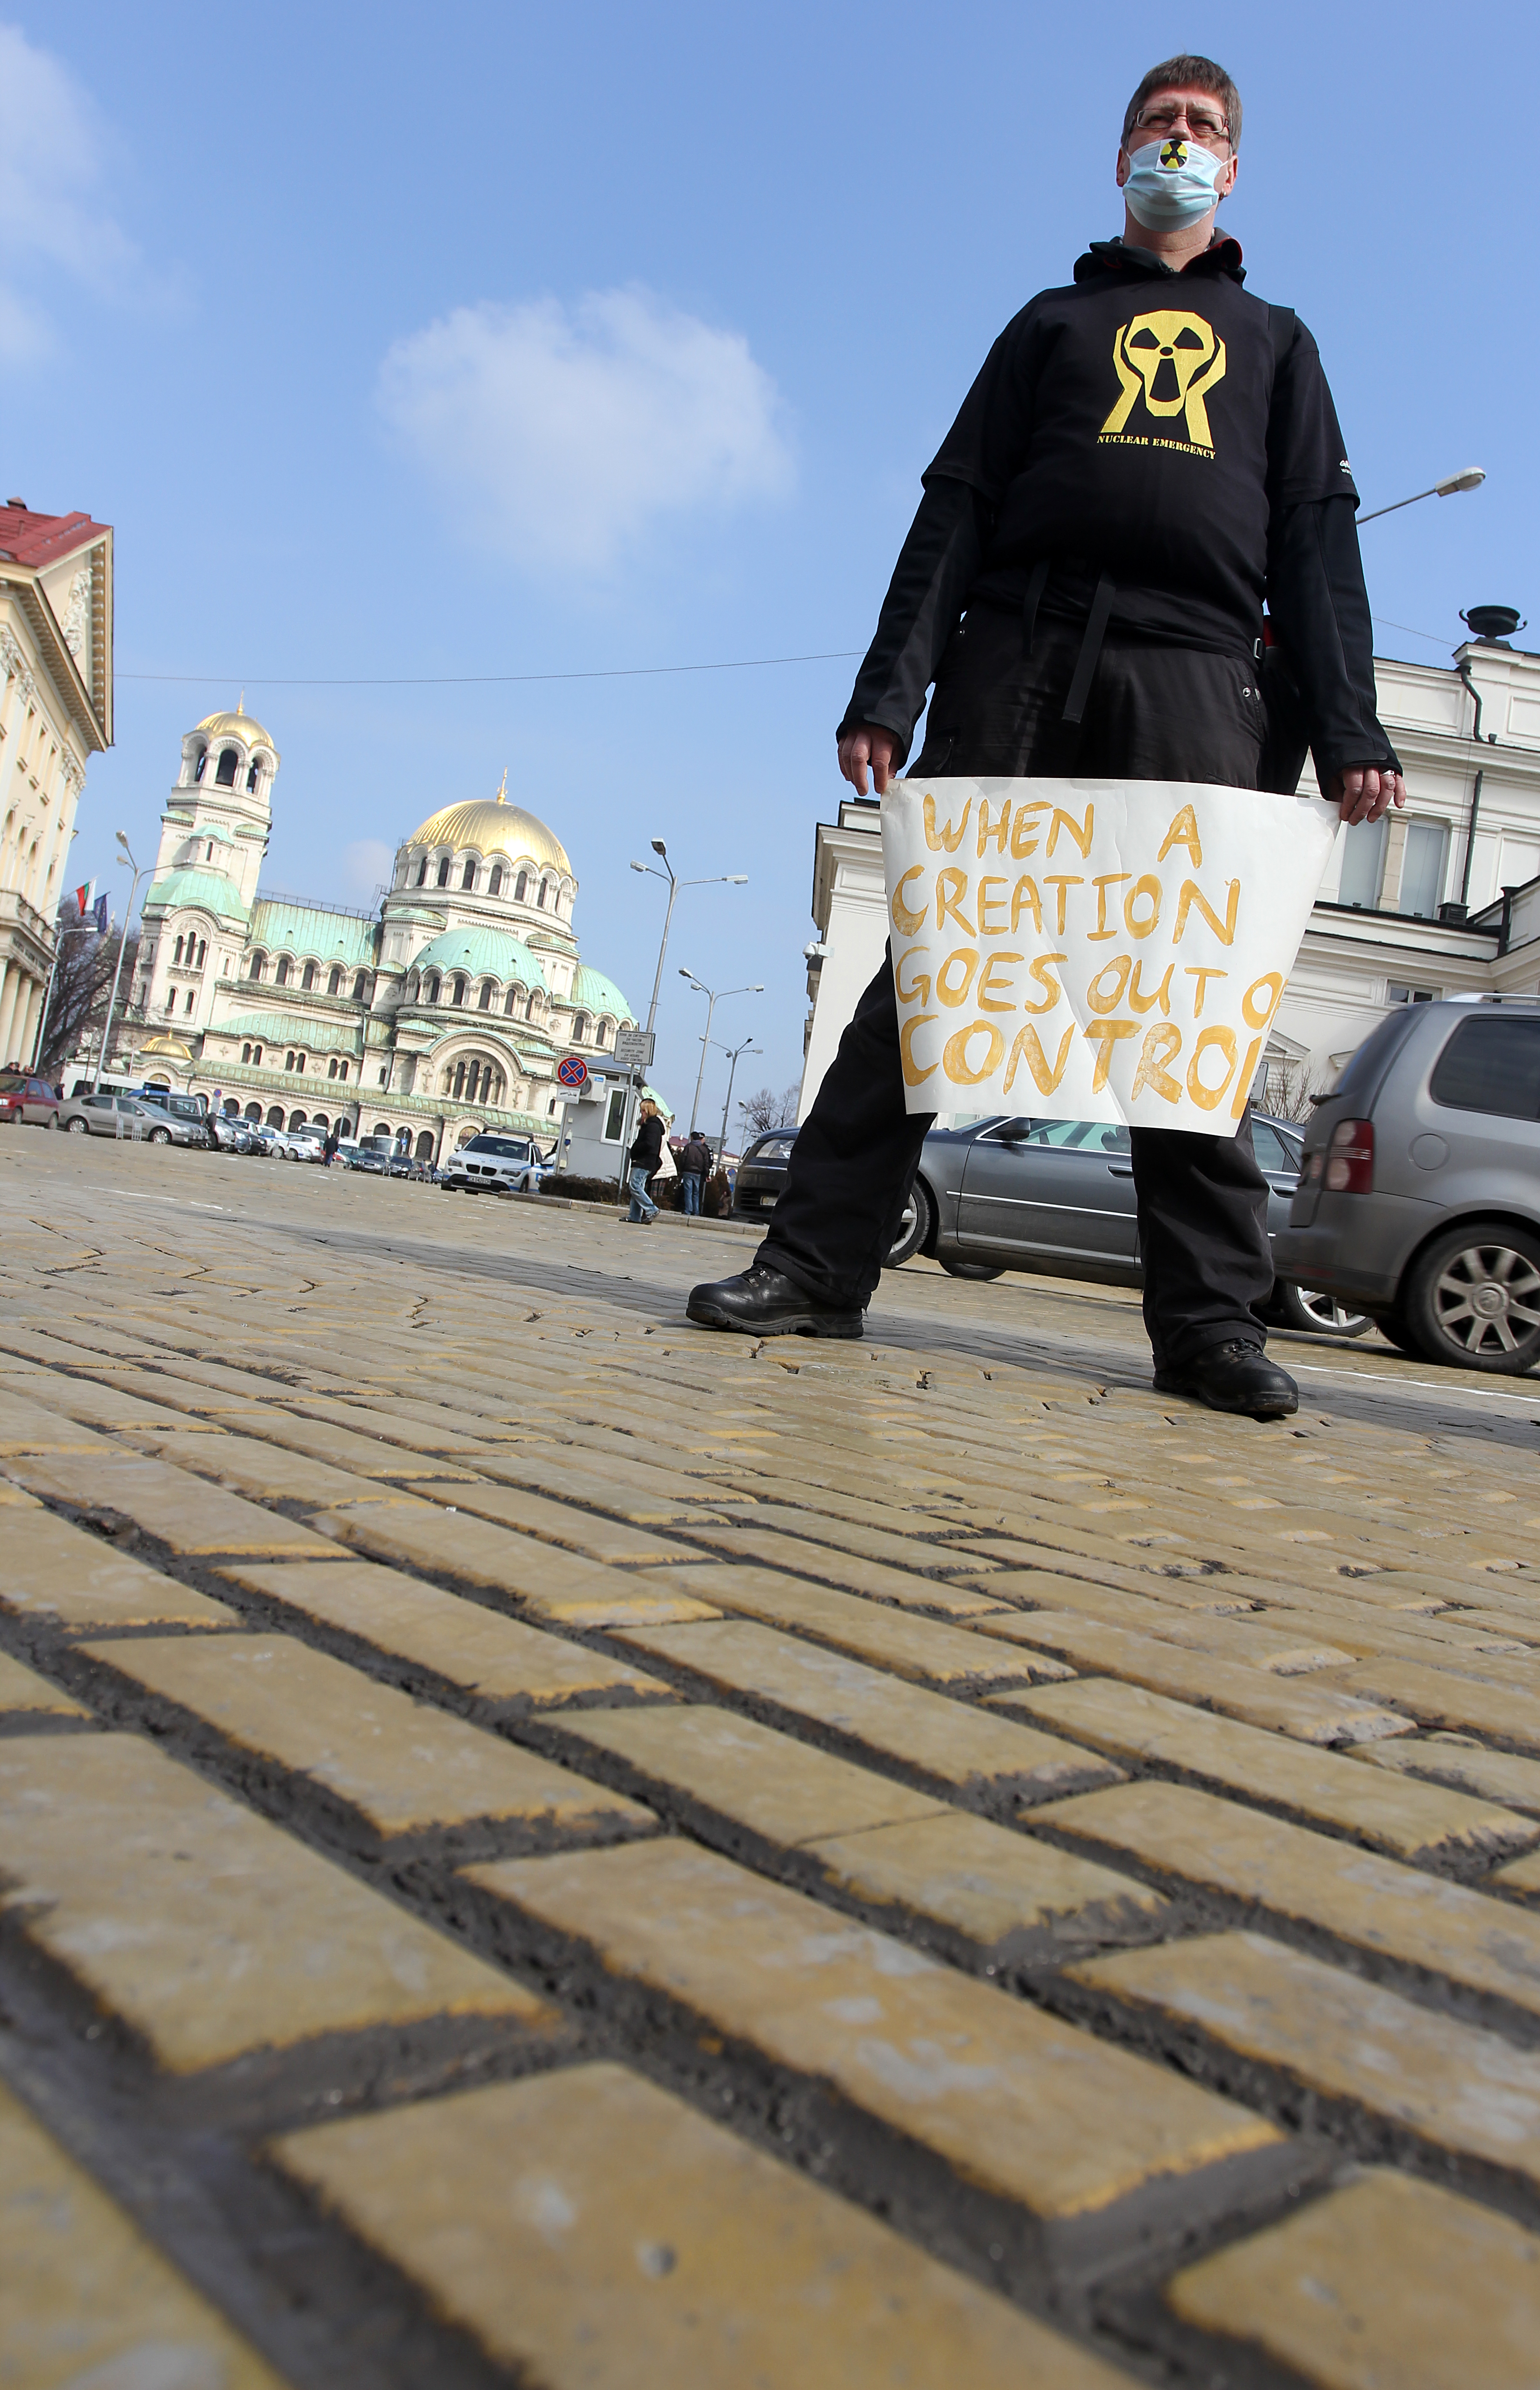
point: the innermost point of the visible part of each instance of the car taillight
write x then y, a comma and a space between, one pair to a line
1350, 1159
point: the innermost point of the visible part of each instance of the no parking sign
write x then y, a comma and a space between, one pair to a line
572, 1072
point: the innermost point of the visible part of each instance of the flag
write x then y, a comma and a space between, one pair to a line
99, 914
84, 899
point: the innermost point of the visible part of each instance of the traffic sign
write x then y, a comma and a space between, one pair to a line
572, 1071
633, 1049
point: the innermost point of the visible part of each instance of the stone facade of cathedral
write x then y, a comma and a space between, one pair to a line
442, 1012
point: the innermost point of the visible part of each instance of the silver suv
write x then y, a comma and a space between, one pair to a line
1420, 1199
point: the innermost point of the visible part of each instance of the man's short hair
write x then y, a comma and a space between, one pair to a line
1187, 74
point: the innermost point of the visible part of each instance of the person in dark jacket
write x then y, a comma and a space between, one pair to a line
695, 1164
646, 1152
1147, 456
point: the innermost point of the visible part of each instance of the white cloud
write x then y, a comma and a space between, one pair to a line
53, 213
559, 437
368, 864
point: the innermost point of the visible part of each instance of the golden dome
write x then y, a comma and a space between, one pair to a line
493, 827
241, 724
170, 1049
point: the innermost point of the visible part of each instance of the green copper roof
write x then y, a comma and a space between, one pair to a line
596, 994
310, 931
209, 890
315, 1036
482, 954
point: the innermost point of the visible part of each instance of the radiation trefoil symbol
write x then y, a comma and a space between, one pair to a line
1174, 154
1174, 360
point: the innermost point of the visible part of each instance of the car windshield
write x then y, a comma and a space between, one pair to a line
11, 1082
509, 1147
775, 1149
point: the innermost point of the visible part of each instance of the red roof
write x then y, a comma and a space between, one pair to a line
40, 540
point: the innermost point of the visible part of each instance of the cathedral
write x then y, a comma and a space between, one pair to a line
443, 1011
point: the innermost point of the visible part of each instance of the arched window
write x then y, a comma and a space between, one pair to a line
332, 1068
253, 1112
444, 873
425, 1145
472, 1076
382, 1128
296, 1120
202, 951
540, 900
251, 777
224, 777
256, 1053
308, 979
281, 974
258, 966
334, 982
510, 1001
288, 1059
430, 988
245, 1053
359, 984
275, 1118
176, 953
459, 1081
209, 852
459, 987
422, 873
201, 764
189, 1006
299, 1063
521, 888
580, 1030
468, 877
343, 1072
530, 1008
484, 1000
494, 886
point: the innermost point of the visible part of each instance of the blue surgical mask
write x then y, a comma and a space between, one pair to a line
1171, 184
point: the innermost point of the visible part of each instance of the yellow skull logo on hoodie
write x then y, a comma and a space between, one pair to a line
1172, 360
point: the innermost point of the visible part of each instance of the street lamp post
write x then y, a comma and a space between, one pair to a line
117, 974
712, 879
732, 1053
717, 995
1470, 478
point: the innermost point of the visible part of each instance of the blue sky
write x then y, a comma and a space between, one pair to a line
401, 344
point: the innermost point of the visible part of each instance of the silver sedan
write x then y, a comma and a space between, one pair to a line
113, 1116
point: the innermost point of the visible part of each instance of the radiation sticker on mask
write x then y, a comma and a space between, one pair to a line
1106, 950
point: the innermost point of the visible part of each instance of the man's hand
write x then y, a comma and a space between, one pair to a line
868, 744
1363, 793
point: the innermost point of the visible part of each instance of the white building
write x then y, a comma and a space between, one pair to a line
1411, 908
55, 709
443, 1010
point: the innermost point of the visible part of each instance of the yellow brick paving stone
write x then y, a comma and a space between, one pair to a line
946, 1740
1520, 1876
24, 1692
778, 1549
913, 1551
1411, 1820
93, 1404
1440, 1697
1242, 1636
927, 1649
620, 1489
551, 1584
203, 1928
1389, 2284
1461, 2089
249, 1465
358, 1457
377, 1420
1460, 1760
192, 1518
401, 1765
1300, 1707
1373, 1905
67, 1576
550, 1522
1361, 1632
498, 1658
1019, 2103
593, 2230
26, 1426
85, 2298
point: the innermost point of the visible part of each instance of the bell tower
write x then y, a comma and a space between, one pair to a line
213, 836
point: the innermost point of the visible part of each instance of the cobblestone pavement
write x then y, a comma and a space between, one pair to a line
542, 1845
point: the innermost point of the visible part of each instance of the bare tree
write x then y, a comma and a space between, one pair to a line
82, 985
791, 1098
762, 1110
1286, 1091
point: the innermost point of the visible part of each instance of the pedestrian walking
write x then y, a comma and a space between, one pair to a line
329, 1146
1148, 455
695, 1164
646, 1152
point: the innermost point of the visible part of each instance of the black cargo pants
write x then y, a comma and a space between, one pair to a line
1154, 713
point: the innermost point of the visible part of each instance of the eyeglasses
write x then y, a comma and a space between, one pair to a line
1201, 122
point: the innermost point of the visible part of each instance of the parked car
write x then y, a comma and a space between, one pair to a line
369, 1157
110, 1115
280, 1144
1420, 1195
191, 1110
490, 1163
1051, 1196
26, 1099
232, 1134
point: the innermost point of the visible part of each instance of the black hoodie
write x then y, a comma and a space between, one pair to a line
1184, 443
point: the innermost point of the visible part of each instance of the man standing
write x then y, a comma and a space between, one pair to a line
1147, 456
646, 1152
694, 1163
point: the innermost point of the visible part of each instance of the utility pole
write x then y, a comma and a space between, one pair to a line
112, 999
720, 878
732, 1073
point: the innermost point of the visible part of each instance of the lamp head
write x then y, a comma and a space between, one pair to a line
1472, 479
123, 842
738, 879
638, 866
657, 847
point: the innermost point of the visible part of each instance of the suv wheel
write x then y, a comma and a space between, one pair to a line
970, 1269
1317, 1315
160, 1136
914, 1229
1474, 1298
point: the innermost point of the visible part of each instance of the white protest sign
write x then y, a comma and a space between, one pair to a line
1107, 950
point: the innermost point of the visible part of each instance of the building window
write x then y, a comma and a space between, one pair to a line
425, 1145
494, 886
1397, 993
209, 852
511, 1002
198, 766
614, 1118
288, 1059
444, 873
281, 974
359, 984
580, 1030
256, 1053
484, 1000
468, 877
459, 988
251, 777
458, 1089
202, 952
422, 873
521, 888
224, 777
170, 1001
299, 1063
342, 1071
253, 1112
189, 1006
1422, 868
334, 982
177, 954
245, 1053
296, 1120
308, 980
430, 988
258, 966
540, 900
1363, 865
332, 1068
384, 1075
275, 1118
